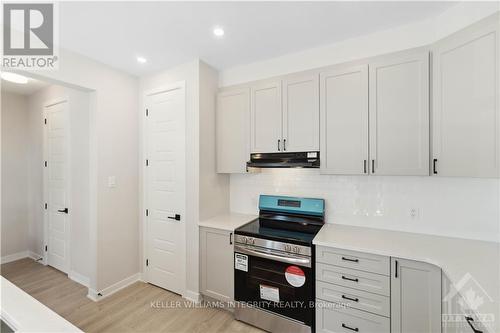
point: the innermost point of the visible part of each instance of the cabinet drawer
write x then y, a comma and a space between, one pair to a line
351, 259
330, 319
374, 283
352, 298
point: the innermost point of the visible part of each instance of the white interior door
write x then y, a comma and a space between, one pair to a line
56, 185
165, 189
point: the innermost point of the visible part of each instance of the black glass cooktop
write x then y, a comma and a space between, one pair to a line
255, 229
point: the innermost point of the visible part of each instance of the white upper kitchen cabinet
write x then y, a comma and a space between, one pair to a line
266, 118
344, 121
399, 114
233, 130
301, 113
466, 102
415, 297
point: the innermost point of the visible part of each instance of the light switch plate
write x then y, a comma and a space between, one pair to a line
111, 181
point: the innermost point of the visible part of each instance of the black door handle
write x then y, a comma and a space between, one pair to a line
349, 279
469, 321
65, 210
177, 217
350, 328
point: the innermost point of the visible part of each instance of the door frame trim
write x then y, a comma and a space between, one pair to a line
143, 186
45, 255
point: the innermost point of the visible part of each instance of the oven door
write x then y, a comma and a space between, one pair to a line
275, 281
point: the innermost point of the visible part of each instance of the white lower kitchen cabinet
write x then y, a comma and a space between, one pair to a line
362, 292
216, 255
415, 297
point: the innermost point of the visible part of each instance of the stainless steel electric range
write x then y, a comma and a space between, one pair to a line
274, 264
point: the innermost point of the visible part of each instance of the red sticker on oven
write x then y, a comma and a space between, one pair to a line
295, 276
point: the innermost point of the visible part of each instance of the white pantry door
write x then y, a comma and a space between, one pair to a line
165, 189
56, 189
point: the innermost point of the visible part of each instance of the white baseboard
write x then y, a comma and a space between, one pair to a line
99, 295
14, 257
34, 256
79, 278
192, 296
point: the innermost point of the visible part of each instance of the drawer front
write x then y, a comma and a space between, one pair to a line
355, 260
330, 319
352, 298
373, 283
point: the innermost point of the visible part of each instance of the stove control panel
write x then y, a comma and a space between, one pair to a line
275, 245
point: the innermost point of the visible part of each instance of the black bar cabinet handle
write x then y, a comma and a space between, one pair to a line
350, 279
279, 144
469, 321
364, 166
350, 328
349, 259
350, 299
396, 269
373, 166
434, 170
231, 238
284, 144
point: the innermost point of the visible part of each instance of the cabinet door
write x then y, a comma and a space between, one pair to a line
415, 297
266, 118
233, 130
301, 113
217, 276
344, 121
466, 102
399, 115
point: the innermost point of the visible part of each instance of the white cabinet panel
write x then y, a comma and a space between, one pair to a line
466, 102
399, 115
344, 121
233, 130
301, 113
216, 253
415, 297
266, 118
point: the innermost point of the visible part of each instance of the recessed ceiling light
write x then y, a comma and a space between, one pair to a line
142, 60
16, 78
218, 32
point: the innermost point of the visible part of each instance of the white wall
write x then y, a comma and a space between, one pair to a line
401, 38
457, 207
114, 212
15, 146
79, 197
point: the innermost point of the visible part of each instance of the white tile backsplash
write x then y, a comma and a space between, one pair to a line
455, 207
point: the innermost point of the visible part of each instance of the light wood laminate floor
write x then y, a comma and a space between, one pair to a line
128, 310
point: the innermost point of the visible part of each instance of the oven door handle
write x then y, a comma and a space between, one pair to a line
290, 260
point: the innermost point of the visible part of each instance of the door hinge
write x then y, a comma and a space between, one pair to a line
45, 121
45, 205
147, 212
147, 112
147, 262
45, 163
147, 162
45, 248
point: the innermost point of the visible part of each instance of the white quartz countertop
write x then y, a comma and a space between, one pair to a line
229, 221
455, 256
25, 314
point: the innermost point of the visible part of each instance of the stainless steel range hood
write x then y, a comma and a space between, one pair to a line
284, 160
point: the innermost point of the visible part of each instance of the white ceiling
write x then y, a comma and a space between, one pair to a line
24, 89
171, 33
